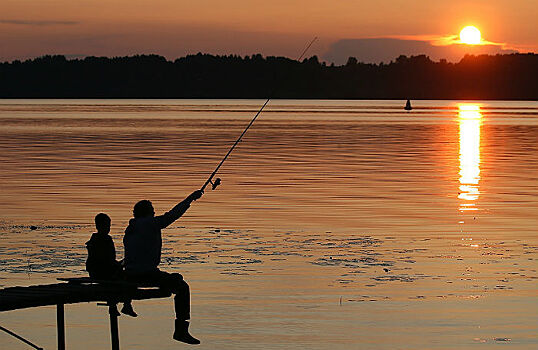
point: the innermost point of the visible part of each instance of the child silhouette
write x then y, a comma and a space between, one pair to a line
101, 263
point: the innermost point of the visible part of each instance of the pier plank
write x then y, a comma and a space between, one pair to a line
76, 290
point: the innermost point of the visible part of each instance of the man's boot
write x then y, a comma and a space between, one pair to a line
181, 333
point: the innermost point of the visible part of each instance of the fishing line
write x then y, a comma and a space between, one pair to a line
217, 181
20, 338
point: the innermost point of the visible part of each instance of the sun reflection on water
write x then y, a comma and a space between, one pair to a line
470, 120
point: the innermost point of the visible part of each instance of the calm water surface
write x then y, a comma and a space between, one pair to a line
339, 224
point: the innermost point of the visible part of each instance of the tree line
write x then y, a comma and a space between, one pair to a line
510, 77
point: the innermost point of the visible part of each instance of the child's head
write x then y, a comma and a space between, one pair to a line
143, 208
102, 223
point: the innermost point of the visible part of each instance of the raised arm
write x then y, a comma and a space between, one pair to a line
176, 212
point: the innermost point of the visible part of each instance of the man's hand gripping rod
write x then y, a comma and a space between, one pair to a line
214, 184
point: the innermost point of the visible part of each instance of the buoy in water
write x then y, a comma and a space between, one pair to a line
408, 106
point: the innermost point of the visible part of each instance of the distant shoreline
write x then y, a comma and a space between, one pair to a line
510, 77
261, 98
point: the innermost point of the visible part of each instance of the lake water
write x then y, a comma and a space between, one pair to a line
338, 224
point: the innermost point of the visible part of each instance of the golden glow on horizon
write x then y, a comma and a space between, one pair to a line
33, 28
470, 120
470, 35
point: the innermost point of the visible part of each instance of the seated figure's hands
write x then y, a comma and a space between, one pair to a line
195, 195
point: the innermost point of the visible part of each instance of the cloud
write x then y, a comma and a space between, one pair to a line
377, 50
37, 23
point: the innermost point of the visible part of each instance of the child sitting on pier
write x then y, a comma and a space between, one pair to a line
101, 263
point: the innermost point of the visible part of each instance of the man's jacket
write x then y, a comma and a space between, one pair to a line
143, 240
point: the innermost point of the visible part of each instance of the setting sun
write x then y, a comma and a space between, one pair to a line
470, 35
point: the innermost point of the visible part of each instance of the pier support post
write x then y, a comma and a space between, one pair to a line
114, 333
60, 325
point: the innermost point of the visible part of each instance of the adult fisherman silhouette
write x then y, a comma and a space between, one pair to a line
143, 243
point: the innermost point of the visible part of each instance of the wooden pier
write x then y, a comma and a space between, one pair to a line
79, 290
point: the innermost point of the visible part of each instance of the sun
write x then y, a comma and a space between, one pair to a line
470, 35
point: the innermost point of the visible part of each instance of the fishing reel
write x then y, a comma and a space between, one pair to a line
215, 184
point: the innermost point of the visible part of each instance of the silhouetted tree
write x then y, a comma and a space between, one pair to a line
510, 76
351, 61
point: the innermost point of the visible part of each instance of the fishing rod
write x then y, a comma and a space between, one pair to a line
217, 182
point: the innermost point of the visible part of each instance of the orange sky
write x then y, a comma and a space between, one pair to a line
279, 27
